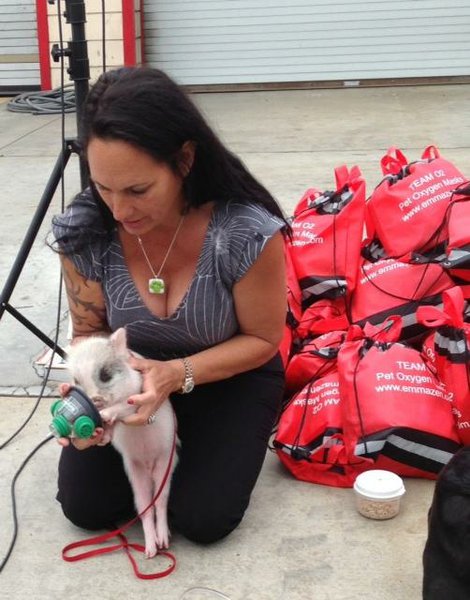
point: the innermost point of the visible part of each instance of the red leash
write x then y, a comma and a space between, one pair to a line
124, 544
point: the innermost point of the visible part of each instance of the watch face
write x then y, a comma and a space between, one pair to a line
188, 386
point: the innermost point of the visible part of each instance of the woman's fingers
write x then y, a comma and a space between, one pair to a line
64, 442
82, 443
141, 399
146, 407
64, 389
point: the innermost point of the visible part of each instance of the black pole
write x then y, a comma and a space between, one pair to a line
79, 69
79, 65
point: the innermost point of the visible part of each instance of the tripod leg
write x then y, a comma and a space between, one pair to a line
37, 332
30, 236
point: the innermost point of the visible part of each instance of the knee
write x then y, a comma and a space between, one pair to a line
205, 525
79, 517
94, 515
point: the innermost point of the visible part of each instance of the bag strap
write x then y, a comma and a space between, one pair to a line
393, 162
347, 177
452, 313
387, 332
341, 176
430, 153
304, 203
454, 304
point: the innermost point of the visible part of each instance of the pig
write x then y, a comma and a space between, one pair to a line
99, 366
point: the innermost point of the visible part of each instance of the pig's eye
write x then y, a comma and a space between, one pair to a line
105, 375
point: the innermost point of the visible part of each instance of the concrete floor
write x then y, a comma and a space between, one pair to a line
298, 541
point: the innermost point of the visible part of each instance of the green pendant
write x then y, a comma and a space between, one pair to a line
156, 285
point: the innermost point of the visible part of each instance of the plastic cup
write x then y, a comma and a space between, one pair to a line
378, 494
202, 593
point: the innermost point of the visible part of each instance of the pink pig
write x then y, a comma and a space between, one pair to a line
99, 366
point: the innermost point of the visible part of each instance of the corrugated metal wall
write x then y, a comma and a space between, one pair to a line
19, 57
259, 41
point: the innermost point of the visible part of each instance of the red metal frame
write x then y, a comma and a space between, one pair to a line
128, 32
43, 45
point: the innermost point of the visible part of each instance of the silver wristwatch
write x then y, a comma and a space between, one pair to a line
188, 383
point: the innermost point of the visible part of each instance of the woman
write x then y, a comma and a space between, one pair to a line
177, 242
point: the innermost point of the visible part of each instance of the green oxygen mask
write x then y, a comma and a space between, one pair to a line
74, 416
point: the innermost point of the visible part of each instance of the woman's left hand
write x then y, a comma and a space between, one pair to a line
160, 379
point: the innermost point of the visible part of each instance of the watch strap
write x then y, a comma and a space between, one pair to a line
188, 383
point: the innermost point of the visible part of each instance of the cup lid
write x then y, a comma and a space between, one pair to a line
379, 484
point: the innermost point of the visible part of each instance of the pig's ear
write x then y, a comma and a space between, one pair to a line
119, 341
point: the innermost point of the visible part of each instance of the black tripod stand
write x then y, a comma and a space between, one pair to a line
79, 72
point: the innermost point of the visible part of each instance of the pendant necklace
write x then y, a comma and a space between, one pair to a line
156, 284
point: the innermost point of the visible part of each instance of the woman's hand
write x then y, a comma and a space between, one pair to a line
79, 443
160, 379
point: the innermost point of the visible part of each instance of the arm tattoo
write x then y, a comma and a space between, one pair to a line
81, 310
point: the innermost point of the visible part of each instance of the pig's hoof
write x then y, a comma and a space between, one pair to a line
150, 550
163, 539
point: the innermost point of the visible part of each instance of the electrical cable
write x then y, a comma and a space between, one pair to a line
45, 103
13, 500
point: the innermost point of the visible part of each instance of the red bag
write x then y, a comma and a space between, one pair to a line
407, 209
395, 411
452, 354
314, 360
309, 437
327, 233
390, 287
323, 316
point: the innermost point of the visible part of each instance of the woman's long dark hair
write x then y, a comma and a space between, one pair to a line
144, 107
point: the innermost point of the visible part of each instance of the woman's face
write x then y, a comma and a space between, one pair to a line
141, 193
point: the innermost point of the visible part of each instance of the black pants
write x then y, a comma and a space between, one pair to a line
224, 428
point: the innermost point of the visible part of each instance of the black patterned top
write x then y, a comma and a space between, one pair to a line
235, 237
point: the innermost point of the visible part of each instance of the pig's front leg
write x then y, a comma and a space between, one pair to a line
116, 412
108, 418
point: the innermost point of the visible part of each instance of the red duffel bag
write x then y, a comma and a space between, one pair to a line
391, 287
396, 412
327, 233
451, 356
407, 209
